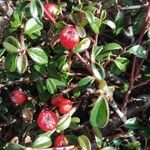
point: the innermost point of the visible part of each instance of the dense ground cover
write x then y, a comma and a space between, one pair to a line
74, 74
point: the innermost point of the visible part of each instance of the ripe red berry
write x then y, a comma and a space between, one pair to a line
47, 120
65, 106
50, 10
61, 140
69, 37
18, 97
55, 101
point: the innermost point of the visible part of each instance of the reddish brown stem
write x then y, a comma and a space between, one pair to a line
142, 83
134, 69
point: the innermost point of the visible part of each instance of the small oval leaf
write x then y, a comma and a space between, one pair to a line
81, 31
50, 85
84, 44
22, 63
138, 51
11, 44
63, 124
33, 25
42, 142
38, 55
84, 142
100, 113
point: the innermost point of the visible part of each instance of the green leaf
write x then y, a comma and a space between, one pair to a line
51, 86
94, 22
100, 113
2, 50
81, 31
84, 44
36, 9
95, 51
58, 82
146, 132
42, 142
98, 137
11, 44
17, 20
139, 51
85, 82
84, 142
108, 3
108, 148
12, 146
110, 24
22, 63
10, 61
132, 123
112, 46
98, 71
33, 25
38, 55
133, 145
63, 124
121, 63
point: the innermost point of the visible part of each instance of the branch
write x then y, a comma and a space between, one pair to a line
133, 70
132, 7
141, 84
84, 62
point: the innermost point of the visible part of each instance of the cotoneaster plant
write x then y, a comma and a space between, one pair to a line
69, 37
50, 10
18, 97
47, 120
60, 141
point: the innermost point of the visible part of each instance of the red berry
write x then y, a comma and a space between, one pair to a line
65, 106
47, 120
69, 37
60, 140
55, 101
18, 97
50, 10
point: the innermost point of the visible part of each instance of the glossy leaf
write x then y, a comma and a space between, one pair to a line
139, 51
110, 24
121, 63
83, 45
132, 123
84, 142
81, 32
11, 44
63, 124
33, 25
98, 136
10, 62
94, 22
36, 9
22, 63
108, 148
38, 55
100, 113
112, 46
85, 82
51, 86
98, 71
42, 142
133, 145
95, 51
13, 146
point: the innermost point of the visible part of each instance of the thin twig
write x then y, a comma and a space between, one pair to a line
133, 71
9, 83
142, 83
133, 7
84, 62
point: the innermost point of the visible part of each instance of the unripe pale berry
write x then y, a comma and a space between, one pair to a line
47, 120
69, 37
18, 97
